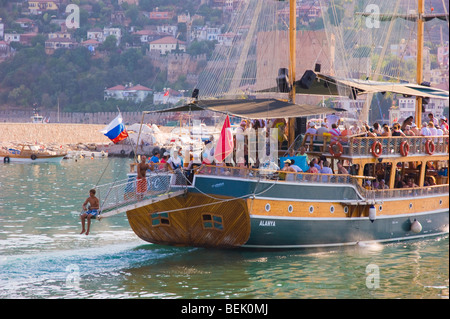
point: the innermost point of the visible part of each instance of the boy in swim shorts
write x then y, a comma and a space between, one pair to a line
91, 213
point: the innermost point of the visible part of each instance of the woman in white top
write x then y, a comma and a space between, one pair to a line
425, 131
174, 161
432, 128
311, 130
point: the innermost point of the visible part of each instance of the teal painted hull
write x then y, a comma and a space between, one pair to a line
292, 232
267, 232
233, 187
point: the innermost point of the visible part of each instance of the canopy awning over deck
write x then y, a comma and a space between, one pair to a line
253, 108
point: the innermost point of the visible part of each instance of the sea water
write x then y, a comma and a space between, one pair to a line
43, 255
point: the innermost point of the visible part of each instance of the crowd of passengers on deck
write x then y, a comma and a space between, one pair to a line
433, 127
315, 165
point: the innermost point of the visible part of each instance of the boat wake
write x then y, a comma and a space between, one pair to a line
75, 273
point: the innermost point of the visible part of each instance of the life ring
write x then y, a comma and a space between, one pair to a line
404, 148
331, 150
6, 159
376, 149
33, 157
122, 152
430, 147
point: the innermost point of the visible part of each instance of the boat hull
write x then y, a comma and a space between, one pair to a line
193, 220
283, 232
280, 215
38, 159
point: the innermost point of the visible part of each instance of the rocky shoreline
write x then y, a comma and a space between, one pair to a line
53, 136
67, 137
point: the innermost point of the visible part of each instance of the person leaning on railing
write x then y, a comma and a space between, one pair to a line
408, 131
397, 130
386, 130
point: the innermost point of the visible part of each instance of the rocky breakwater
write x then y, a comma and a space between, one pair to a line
54, 136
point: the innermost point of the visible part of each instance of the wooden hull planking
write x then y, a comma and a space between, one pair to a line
195, 220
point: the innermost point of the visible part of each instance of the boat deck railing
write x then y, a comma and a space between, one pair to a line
123, 195
310, 178
405, 192
390, 146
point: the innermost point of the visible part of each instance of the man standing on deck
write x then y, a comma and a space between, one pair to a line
141, 180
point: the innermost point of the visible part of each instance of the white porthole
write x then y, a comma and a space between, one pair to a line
290, 208
311, 209
346, 209
331, 209
267, 207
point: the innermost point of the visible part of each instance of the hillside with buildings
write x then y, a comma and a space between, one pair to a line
138, 54
122, 52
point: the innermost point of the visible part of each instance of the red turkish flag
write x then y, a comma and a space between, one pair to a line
224, 145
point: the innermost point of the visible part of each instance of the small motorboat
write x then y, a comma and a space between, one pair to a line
30, 154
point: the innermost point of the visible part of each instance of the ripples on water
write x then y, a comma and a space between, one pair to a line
42, 254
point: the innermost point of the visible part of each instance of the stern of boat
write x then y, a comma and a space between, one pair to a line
193, 220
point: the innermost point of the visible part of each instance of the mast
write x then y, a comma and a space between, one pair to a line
292, 45
292, 59
419, 75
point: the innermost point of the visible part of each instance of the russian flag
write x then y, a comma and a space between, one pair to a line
115, 130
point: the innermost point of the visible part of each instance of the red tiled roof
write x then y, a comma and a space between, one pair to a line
117, 88
63, 40
139, 88
167, 40
91, 41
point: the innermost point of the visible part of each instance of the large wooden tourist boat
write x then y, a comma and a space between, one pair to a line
223, 206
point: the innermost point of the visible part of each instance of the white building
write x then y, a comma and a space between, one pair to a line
136, 93
12, 37
167, 44
117, 32
212, 33
407, 107
95, 34
2, 29
226, 39
168, 96
170, 29
206, 33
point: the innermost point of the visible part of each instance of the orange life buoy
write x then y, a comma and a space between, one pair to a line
331, 150
429, 147
404, 148
377, 149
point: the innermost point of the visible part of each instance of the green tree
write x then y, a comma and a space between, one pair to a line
130, 59
20, 96
110, 44
335, 14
